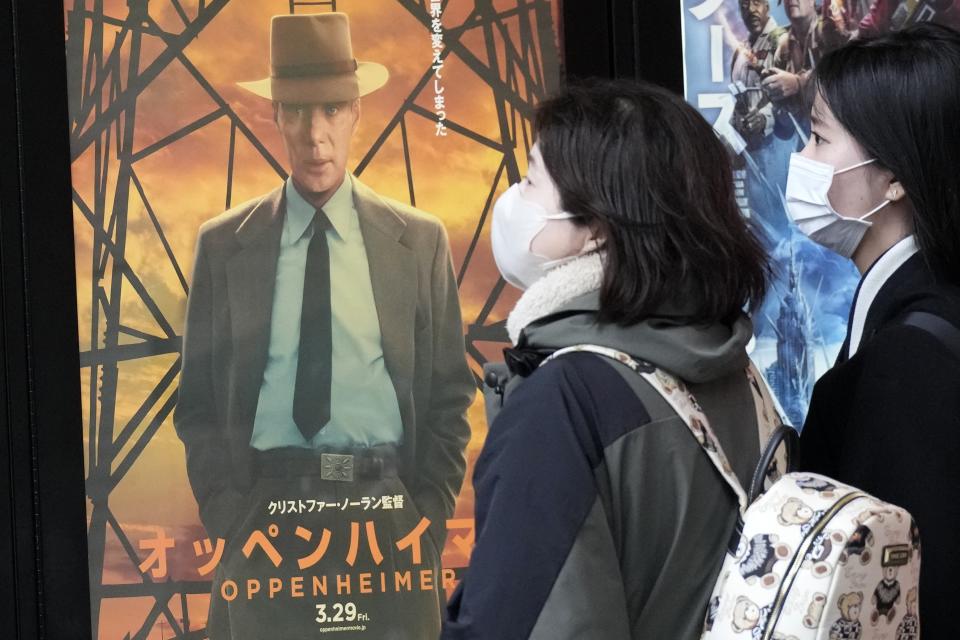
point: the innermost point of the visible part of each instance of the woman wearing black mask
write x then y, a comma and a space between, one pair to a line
598, 513
879, 182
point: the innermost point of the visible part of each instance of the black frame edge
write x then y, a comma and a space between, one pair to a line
41, 454
638, 39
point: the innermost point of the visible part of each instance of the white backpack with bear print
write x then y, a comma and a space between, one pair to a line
814, 559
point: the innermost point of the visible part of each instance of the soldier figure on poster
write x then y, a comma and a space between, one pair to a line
749, 66
755, 113
789, 82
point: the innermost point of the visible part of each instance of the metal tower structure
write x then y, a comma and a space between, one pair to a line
106, 82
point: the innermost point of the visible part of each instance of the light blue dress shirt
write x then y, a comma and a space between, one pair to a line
363, 403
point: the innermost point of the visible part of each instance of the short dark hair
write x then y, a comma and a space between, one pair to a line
898, 95
643, 167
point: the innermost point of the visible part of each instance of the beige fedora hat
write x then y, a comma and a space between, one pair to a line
311, 60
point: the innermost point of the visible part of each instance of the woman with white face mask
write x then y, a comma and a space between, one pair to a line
879, 182
598, 513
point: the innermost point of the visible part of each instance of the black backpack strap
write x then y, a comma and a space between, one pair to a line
944, 331
783, 434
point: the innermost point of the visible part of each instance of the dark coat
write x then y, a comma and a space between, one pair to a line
598, 515
227, 337
888, 421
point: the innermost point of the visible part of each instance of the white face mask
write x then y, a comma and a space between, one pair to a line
516, 222
808, 182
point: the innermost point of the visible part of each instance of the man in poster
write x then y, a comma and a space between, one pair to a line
323, 363
754, 118
788, 82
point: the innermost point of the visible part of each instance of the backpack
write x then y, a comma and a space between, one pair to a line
810, 558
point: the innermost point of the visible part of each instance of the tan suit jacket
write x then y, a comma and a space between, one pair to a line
227, 336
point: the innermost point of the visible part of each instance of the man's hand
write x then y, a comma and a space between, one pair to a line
753, 123
780, 84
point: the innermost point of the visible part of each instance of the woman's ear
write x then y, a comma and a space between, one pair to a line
895, 192
594, 241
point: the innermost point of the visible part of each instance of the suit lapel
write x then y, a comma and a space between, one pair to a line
908, 279
251, 276
393, 274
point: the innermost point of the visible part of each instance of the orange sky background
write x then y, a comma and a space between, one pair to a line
185, 184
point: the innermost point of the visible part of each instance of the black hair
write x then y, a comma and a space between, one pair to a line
642, 167
898, 95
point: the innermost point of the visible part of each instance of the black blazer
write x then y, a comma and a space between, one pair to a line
888, 421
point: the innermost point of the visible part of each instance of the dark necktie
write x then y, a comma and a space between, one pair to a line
311, 399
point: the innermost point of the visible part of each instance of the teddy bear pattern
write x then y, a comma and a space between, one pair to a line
858, 545
758, 556
713, 608
748, 616
701, 434
886, 596
796, 512
813, 484
816, 558
848, 626
812, 529
914, 536
909, 627
815, 611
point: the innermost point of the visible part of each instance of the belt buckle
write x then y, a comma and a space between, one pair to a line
336, 467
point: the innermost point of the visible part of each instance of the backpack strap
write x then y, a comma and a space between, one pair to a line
770, 423
944, 331
770, 454
675, 392
770, 415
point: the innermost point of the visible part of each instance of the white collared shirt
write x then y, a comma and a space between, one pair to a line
363, 402
885, 266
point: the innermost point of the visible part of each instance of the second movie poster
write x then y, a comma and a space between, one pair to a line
748, 67
286, 295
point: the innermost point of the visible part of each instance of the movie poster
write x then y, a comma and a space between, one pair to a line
747, 66
286, 294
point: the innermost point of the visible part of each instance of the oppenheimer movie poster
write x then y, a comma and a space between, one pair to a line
286, 294
747, 67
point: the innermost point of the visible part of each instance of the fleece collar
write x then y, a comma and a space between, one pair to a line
554, 290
